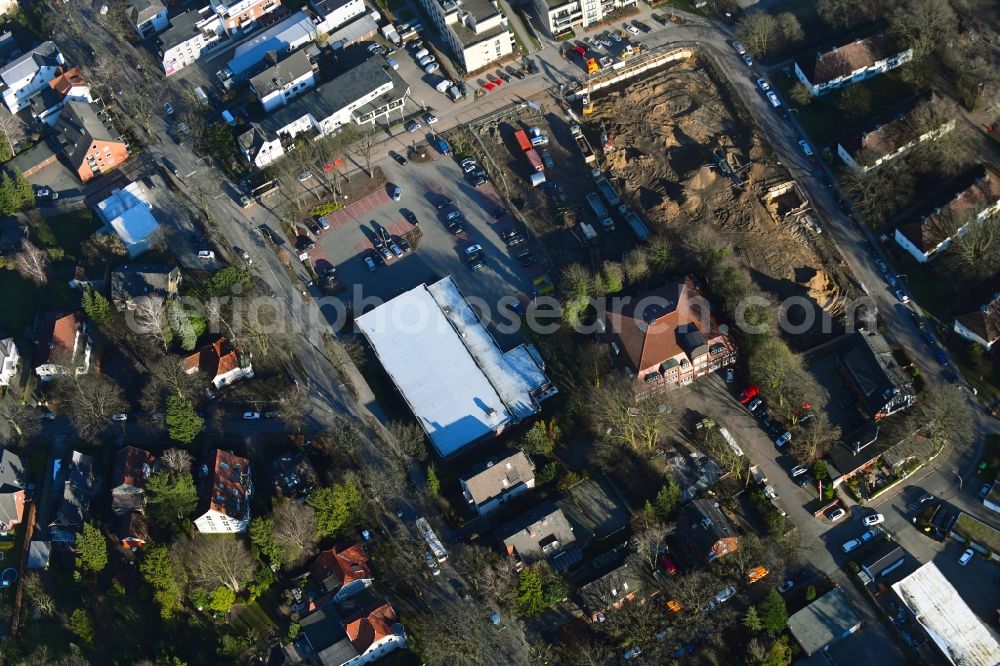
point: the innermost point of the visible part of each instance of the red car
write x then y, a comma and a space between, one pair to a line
804, 407
488, 86
749, 393
580, 51
668, 566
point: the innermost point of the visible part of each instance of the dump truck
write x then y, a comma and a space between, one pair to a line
595, 205
638, 227
608, 192
440, 554
534, 160
522, 141
588, 153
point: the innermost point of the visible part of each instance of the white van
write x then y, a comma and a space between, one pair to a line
422, 53
443, 85
426, 60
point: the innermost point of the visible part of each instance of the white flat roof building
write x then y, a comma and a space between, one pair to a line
448, 368
950, 623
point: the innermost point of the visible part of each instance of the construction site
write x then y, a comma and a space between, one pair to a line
669, 148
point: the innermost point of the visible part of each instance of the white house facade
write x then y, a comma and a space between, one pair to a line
334, 13
189, 35
850, 63
561, 16
284, 81
25, 76
9, 360
475, 30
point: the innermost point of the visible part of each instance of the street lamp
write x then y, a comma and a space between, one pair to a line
959, 477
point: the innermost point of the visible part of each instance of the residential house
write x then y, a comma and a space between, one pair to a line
284, 80
23, 77
12, 484
706, 531
63, 346
560, 16
593, 510
871, 371
88, 143
223, 363
538, 534
843, 65
284, 37
334, 13
487, 486
9, 48
625, 584
128, 481
131, 530
922, 120
224, 490
357, 631
190, 34
240, 17
148, 17
977, 197
981, 326
127, 212
77, 484
825, 621
475, 31
362, 95
885, 559
130, 282
47, 104
343, 571
667, 338
9, 360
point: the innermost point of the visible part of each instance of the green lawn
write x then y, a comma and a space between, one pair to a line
825, 123
252, 616
19, 301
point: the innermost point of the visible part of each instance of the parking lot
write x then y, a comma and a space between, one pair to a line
439, 251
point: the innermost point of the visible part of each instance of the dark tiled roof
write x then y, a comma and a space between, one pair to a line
843, 60
941, 219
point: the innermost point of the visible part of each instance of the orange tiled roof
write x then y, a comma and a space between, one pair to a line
129, 467
348, 565
368, 630
67, 80
228, 493
58, 337
649, 327
212, 360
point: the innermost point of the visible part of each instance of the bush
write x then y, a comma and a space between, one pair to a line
326, 208
811, 592
853, 566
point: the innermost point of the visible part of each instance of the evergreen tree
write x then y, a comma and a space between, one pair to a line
752, 620
182, 326
81, 625
15, 193
772, 612
262, 536
530, 598
183, 423
96, 306
171, 496
668, 499
92, 548
157, 568
433, 483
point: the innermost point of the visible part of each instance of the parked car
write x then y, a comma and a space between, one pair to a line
901, 295
453, 215
799, 470
642, 26
444, 202
411, 217
966, 556
747, 60
402, 161
773, 99
411, 126
168, 109
836, 514
206, 254
786, 586
632, 29
749, 393
304, 176
430, 118
806, 148
783, 439
939, 356
730, 375
763, 85
119, 417
874, 519
396, 192
668, 566
739, 48
370, 263
323, 224
251, 416
985, 490
314, 228
754, 404
851, 545
431, 68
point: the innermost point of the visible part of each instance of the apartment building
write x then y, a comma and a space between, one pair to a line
87, 141
334, 13
475, 31
23, 77
560, 16
843, 65
189, 35
225, 489
148, 17
240, 17
285, 80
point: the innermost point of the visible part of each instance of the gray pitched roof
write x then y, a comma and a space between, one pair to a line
143, 10
45, 54
135, 280
538, 533
283, 72
494, 477
823, 621
182, 28
11, 470
78, 127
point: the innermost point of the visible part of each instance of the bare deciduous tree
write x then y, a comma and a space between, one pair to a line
618, 417
18, 421
34, 588
365, 145
93, 399
176, 460
648, 543
295, 530
218, 560
12, 129
33, 263
976, 248
149, 317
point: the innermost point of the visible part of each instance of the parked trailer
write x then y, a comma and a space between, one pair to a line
537, 179
440, 554
608, 192
731, 441
522, 141
534, 160
637, 226
595, 205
